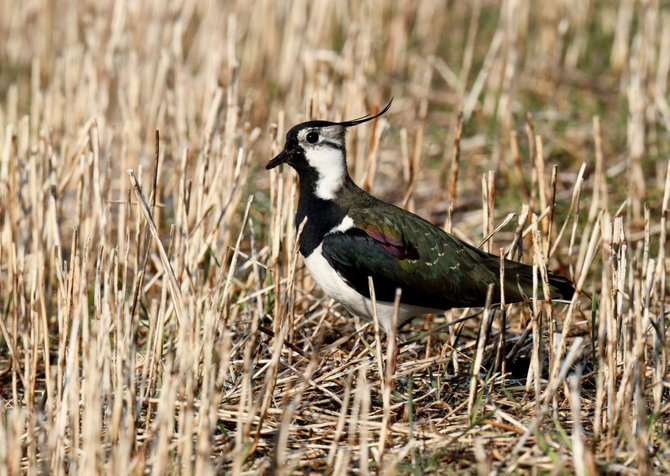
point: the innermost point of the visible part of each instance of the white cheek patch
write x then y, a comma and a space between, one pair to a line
330, 165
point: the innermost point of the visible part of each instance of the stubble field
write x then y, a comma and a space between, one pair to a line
155, 317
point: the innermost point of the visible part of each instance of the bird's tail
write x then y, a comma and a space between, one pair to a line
521, 283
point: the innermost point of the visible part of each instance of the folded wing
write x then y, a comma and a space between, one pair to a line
433, 269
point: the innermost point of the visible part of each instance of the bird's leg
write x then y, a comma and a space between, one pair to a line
392, 358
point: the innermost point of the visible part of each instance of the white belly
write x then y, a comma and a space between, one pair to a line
335, 287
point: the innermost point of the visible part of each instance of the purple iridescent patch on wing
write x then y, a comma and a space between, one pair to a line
393, 246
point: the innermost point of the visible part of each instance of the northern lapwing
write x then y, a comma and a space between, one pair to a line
350, 235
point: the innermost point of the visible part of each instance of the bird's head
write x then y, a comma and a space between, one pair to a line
317, 148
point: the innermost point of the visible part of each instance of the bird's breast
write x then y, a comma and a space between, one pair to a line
338, 289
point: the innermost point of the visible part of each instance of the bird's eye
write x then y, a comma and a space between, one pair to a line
312, 137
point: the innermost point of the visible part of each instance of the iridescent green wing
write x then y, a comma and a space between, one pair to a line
433, 268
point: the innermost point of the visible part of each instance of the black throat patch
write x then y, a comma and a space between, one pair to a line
322, 215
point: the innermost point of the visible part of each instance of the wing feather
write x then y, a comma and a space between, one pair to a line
433, 268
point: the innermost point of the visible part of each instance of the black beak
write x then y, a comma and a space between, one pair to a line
281, 158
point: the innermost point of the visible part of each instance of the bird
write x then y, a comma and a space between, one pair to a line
350, 235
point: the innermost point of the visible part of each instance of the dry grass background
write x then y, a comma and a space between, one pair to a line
160, 321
